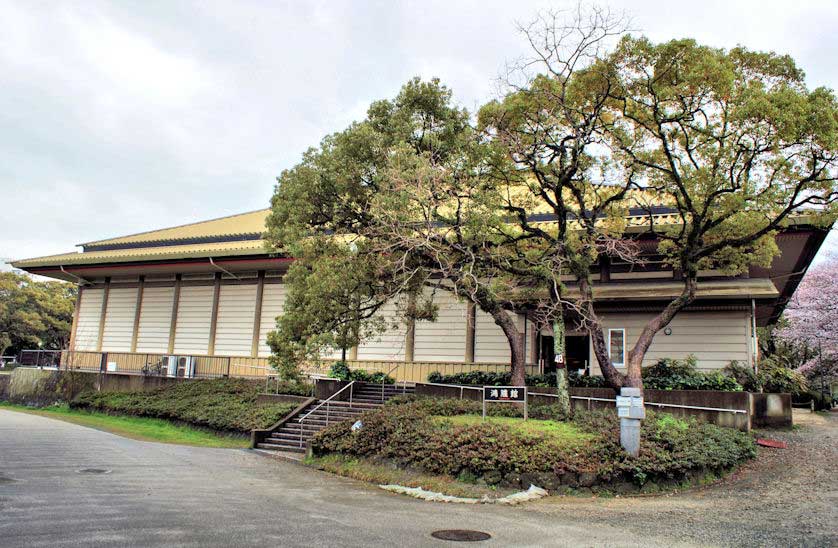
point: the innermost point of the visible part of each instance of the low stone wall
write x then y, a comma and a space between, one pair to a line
771, 410
326, 388
738, 401
39, 387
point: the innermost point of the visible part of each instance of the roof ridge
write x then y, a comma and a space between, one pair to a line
103, 240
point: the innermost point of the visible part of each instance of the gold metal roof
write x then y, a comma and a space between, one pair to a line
221, 249
252, 222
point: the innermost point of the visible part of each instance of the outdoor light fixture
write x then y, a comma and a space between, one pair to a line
667, 331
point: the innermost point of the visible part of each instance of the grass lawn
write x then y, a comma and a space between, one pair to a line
138, 428
566, 432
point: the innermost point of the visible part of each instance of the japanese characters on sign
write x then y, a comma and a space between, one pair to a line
505, 393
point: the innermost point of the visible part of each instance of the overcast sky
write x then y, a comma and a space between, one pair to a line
128, 116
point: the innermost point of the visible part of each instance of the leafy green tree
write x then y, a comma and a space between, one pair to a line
400, 199
34, 314
732, 141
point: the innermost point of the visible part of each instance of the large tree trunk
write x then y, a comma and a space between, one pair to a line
516, 345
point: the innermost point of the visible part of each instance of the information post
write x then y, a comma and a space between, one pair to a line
505, 394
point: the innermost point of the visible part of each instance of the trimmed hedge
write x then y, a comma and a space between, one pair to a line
672, 449
486, 378
342, 371
220, 404
666, 374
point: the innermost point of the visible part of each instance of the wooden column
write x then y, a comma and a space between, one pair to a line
214, 317
257, 317
352, 354
173, 324
471, 330
72, 343
534, 343
103, 314
137, 311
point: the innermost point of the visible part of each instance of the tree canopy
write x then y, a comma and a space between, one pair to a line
34, 314
520, 209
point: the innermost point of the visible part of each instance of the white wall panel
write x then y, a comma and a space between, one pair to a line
273, 299
444, 339
715, 338
90, 314
119, 319
490, 344
194, 317
236, 312
155, 319
389, 345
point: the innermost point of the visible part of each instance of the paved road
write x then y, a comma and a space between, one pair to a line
166, 495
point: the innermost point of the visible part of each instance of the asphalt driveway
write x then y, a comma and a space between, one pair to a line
166, 495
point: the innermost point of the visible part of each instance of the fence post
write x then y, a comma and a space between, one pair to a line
228, 369
103, 364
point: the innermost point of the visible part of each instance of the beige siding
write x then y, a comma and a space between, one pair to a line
155, 319
119, 319
444, 339
90, 311
273, 300
715, 338
236, 310
193, 320
388, 345
490, 344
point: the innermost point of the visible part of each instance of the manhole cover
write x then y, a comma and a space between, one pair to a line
461, 535
94, 471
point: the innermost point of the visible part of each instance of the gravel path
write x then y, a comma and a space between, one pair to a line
783, 498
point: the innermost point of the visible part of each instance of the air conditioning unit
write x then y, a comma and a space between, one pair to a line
186, 366
170, 365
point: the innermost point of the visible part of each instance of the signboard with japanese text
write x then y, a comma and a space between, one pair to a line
505, 393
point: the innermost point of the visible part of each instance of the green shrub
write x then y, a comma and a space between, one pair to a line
772, 377
340, 370
586, 381
406, 434
669, 374
219, 404
486, 378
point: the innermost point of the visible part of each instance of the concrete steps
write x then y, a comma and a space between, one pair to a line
292, 436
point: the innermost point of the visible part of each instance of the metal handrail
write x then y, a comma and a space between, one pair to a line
385, 377
327, 403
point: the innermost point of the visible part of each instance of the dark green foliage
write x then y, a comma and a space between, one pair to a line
772, 377
669, 374
405, 433
340, 370
586, 381
219, 404
486, 378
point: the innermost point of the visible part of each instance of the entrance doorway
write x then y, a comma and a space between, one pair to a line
576, 354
